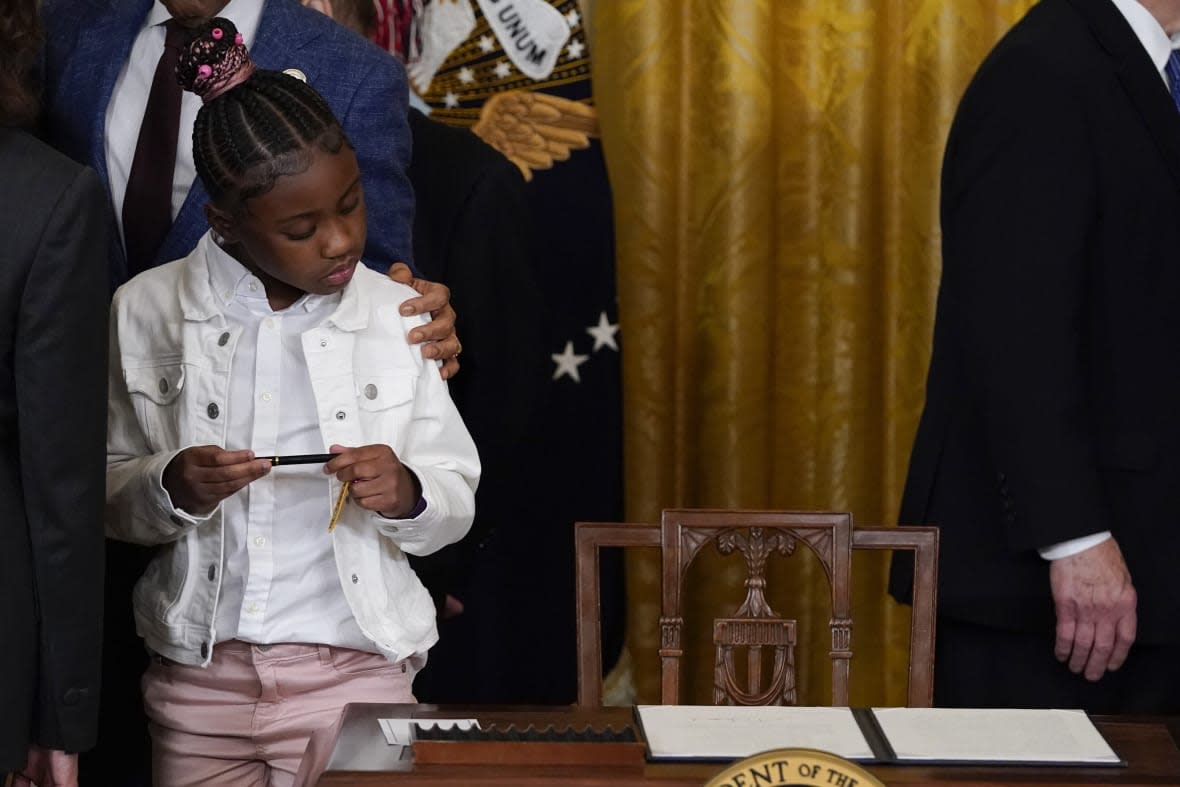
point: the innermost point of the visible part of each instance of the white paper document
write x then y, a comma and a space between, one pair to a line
398, 732
986, 735
733, 732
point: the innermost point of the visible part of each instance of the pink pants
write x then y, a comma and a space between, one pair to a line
244, 721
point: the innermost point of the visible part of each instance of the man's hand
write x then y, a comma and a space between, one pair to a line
199, 478
442, 341
48, 768
1095, 604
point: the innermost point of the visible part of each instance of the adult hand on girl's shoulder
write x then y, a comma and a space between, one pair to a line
199, 478
379, 481
439, 333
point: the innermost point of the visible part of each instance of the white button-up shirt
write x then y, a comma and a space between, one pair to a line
280, 582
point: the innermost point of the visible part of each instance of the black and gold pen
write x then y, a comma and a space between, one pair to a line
302, 459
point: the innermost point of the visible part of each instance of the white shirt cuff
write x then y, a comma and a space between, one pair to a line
1073, 546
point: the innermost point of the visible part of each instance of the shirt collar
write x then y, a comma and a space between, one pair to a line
199, 301
231, 281
228, 278
1149, 32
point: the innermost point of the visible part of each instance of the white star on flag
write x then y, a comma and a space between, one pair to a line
603, 333
466, 75
503, 69
451, 100
568, 363
486, 44
573, 17
575, 49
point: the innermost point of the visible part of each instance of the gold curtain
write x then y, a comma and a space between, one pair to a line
775, 172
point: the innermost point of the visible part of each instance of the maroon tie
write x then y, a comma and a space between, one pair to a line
147, 206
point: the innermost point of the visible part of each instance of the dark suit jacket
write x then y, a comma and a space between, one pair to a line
472, 231
1053, 400
88, 41
53, 351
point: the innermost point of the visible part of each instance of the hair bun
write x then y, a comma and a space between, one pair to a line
215, 61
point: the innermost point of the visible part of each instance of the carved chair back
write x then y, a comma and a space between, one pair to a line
754, 630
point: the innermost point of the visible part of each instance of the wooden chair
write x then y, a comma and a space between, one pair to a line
754, 626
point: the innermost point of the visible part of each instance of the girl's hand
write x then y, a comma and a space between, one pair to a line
380, 482
199, 478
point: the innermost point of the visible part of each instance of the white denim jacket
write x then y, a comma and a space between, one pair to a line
172, 352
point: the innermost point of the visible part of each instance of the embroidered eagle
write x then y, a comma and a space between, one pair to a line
490, 65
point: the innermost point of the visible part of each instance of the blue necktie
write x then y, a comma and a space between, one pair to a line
1173, 69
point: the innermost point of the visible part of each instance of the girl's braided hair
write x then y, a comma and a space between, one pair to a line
255, 125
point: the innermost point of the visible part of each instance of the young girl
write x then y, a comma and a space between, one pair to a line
272, 339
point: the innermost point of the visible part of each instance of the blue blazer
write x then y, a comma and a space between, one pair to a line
88, 41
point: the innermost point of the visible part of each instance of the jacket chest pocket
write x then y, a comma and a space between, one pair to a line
385, 402
155, 393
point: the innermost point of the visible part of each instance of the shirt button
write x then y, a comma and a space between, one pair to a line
163, 385
370, 391
323, 342
266, 397
259, 541
341, 415
268, 322
71, 697
223, 339
204, 650
213, 410
253, 286
355, 579
212, 571
252, 609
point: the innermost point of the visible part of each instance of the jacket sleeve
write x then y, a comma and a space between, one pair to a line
1019, 207
379, 132
138, 509
440, 452
59, 361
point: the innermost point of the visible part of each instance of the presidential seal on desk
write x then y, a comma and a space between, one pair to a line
795, 768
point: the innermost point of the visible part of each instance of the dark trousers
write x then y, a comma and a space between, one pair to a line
980, 667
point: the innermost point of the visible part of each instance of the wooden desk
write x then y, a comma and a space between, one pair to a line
362, 757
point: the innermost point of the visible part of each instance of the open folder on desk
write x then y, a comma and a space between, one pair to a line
986, 735
885, 735
727, 732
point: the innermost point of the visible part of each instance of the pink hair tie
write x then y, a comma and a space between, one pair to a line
215, 62
229, 82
